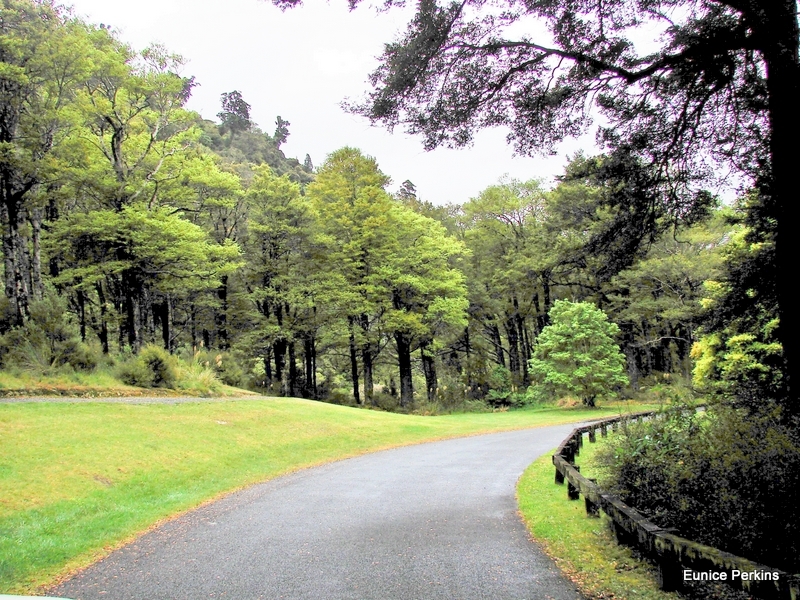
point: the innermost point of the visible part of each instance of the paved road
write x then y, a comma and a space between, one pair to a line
431, 521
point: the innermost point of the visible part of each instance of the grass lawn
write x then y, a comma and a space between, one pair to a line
79, 479
582, 546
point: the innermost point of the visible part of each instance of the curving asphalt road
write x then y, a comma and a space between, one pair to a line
431, 521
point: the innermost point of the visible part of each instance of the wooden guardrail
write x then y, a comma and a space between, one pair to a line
678, 559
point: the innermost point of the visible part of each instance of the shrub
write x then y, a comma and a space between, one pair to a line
226, 365
152, 367
48, 339
726, 478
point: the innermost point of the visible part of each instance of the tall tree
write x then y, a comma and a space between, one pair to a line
350, 198
132, 151
44, 58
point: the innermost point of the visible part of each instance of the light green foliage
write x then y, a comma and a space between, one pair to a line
739, 356
133, 147
395, 264
577, 355
164, 251
44, 58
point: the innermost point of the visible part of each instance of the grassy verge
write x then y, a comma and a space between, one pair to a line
102, 383
582, 546
77, 480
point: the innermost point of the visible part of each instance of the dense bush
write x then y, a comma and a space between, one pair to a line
152, 367
726, 478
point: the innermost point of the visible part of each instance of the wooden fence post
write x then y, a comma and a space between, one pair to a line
592, 509
572, 492
670, 576
559, 477
592, 438
569, 453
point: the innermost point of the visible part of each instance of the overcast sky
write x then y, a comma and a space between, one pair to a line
300, 64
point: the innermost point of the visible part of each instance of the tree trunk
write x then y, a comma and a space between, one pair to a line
547, 299
193, 326
310, 355
513, 348
279, 349
16, 289
133, 322
404, 364
268, 368
103, 333
429, 368
81, 299
291, 384
221, 315
166, 325
494, 336
37, 287
279, 346
778, 24
369, 385
354, 361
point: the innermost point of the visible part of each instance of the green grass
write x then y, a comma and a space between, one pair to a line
78, 479
582, 546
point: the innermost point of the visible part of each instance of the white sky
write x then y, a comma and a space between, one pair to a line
300, 64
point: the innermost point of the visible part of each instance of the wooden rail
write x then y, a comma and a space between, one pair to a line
677, 559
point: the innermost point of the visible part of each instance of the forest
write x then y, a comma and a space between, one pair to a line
138, 235
130, 222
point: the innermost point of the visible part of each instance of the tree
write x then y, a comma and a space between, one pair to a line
353, 206
394, 263
132, 149
235, 114
281, 277
576, 354
281, 132
44, 57
720, 91
165, 254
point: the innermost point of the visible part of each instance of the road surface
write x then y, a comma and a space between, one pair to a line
436, 520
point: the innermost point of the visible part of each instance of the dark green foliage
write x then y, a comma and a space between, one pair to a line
724, 478
48, 339
502, 391
235, 114
152, 367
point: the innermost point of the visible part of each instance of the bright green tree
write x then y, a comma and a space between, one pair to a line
577, 355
